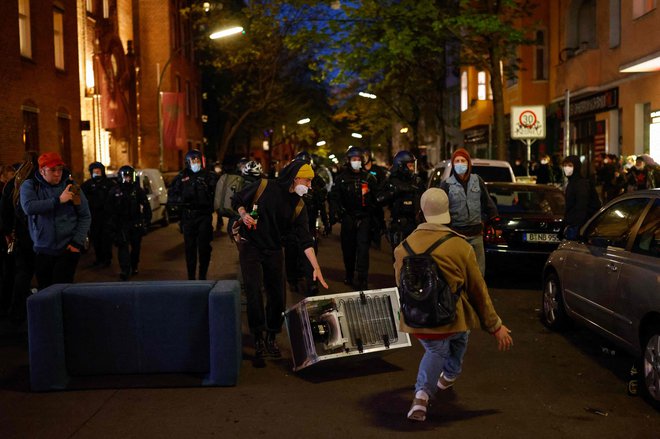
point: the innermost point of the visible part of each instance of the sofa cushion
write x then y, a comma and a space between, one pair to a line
137, 327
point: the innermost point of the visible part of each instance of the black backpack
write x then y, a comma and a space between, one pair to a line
426, 299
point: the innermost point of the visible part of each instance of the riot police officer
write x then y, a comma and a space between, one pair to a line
381, 174
193, 190
96, 190
401, 192
129, 214
352, 201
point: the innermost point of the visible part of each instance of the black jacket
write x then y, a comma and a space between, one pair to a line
277, 212
193, 192
353, 193
581, 197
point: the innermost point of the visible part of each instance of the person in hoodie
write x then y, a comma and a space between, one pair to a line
96, 189
58, 219
469, 203
269, 211
581, 197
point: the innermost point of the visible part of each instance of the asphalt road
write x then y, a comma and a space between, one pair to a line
549, 386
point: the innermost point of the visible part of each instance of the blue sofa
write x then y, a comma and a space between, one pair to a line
89, 329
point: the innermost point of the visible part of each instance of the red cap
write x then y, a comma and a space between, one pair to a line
462, 152
50, 160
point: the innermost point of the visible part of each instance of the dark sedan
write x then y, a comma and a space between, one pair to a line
530, 219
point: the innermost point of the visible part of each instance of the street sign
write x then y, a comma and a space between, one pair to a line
528, 122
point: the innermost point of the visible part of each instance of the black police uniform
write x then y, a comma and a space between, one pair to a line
380, 173
129, 215
401, 193
96, 190
194, 192
352, 201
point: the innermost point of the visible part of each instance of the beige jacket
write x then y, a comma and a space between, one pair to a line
458, 263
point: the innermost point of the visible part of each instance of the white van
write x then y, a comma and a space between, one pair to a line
151, 181
488, 170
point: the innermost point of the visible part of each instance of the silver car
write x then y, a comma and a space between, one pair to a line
609, 281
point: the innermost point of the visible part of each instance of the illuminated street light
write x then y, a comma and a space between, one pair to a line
304, 121
226, 32
356, 135
367, 95
320, 143
331, 156
403, 130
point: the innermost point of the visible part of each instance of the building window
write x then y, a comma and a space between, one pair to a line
106, 8
25, 35
481, 86
540, 58
188, 98
586, 27
195, 106
615, 23
89, 6
58, 38
641, 7
31, 129
464, 91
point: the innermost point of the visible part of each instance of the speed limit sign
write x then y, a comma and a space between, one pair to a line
528, 122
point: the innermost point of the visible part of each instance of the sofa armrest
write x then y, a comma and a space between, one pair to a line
225, 350
46, 339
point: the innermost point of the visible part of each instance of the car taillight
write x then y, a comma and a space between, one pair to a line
493, 232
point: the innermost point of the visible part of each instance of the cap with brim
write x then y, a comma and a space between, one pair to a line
435, 206
50, 160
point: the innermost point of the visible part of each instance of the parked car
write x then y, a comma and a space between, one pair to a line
608, 280
151, 181
488, 170
530, 219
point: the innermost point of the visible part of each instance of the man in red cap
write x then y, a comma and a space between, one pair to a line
469, 203
59, 220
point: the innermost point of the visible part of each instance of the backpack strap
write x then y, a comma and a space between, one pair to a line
433, 246
260, 190
299, 208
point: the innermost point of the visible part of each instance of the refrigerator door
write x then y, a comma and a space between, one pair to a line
342, 325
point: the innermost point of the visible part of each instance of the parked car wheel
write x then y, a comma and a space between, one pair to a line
165, 220
650, 373
553, 313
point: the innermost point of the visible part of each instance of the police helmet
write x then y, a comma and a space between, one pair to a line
96, 165
303, 156
252, 168
354, 151
401, 160
194, 154
126, 171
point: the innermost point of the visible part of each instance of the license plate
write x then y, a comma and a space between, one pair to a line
541, 237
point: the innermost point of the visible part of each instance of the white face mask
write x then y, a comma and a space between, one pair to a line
544, 162
356, 164
568, 170
301, 189
195, 167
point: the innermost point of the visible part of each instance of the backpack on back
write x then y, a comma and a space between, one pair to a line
232, 184
427, 300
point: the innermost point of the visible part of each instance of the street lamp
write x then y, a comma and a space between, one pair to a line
367, 95
304, 121
220, 34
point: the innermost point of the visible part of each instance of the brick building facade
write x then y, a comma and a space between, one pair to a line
39, 80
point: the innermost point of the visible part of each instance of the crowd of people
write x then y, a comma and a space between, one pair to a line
276, 223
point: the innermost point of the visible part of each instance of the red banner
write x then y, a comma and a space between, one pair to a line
174, 124
113, 108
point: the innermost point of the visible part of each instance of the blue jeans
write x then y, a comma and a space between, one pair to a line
477, 243
441, 356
